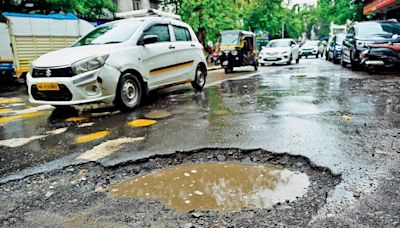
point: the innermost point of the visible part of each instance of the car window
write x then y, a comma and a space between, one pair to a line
182, 34
161, 31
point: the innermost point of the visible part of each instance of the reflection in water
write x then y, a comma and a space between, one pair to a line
216, 186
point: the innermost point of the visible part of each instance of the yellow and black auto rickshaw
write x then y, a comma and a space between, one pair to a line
236, 49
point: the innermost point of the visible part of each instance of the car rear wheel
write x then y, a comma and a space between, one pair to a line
129, 92
200, 78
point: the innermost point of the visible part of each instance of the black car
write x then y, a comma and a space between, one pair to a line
361, 34
335, 48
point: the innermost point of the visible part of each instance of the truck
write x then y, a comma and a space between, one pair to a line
25, 37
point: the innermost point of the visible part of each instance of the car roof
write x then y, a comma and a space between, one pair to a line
375, 22
284, 39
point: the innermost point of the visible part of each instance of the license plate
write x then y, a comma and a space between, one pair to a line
225, 63
271, 59
48, 86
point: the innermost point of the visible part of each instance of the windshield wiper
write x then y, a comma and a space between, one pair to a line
109, 42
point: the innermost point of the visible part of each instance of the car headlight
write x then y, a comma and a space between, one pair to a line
285, 52
89, 64
234, 53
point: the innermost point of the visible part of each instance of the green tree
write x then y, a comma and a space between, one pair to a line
264, 15
209, 17
88, 9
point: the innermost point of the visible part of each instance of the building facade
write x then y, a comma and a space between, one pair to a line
382, 9
129, 5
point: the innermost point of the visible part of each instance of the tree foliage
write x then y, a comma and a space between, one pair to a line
88, 9
209, 17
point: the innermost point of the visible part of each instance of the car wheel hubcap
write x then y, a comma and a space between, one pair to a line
130, 93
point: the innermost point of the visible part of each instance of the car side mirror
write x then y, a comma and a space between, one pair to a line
149, 39
293, 45
350, 36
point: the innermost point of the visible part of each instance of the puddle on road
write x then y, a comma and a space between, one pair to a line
157, 114
216, 186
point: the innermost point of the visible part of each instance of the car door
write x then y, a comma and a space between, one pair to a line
185, 52
158, 58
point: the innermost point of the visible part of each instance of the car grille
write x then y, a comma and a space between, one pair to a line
272, 53
52, 72
61, 95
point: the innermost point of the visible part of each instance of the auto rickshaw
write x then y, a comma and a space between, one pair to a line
236, 49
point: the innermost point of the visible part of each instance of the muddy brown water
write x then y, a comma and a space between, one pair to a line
216, 186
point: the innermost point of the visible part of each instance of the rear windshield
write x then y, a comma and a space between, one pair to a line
110, 33
311, 43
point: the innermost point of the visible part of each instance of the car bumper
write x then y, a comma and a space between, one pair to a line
269, 60
94, 86
307, 53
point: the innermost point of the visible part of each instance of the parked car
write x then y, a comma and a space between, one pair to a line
361, 34
335, 48
280, 51
120, 62
310, 47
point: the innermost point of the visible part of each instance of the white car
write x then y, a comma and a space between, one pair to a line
310, 47
120, 62
280, 51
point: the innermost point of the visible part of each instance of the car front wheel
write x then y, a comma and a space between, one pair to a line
200, 78
129, 92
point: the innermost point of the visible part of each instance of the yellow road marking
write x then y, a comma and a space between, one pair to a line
5, 110
141, 123
91, 137
76, 118
10, 100
7, 119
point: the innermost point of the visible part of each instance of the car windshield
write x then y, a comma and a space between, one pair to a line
340, 38
311, 44
373, 29
278, 43
111, 33
230, 39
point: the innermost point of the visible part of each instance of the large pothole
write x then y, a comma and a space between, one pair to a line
207, 187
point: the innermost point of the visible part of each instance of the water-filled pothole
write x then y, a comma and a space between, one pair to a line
216, 186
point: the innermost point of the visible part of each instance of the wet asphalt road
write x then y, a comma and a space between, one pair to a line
343, 120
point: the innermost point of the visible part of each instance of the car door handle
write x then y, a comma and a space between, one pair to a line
171, 47
192, 45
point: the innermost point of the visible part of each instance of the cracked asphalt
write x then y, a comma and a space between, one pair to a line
344, 123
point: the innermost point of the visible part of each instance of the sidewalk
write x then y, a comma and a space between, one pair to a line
212, 68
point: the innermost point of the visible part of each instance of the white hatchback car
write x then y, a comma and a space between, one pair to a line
279, 51
120, 62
